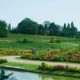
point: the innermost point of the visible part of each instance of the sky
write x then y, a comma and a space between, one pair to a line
58, 11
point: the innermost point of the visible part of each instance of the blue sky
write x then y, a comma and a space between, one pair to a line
58, 11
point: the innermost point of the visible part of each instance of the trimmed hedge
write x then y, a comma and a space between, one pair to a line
3, 61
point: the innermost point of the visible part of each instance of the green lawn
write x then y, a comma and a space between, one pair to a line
21, 65
34, 68
39, 42
34, 45
38, 38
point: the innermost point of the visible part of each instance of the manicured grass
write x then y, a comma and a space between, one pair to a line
35, 45
21, 65
39, 42
34, 68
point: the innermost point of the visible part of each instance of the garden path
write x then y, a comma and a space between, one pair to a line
14, 59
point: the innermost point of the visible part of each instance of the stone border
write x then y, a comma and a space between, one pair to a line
24, 70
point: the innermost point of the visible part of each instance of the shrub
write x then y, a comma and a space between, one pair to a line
24, 41
33, 50
3, 61
28, 56
59, 67
62, 57
72, 54
45, 66
51, 40
57, 41
14, 52
73, 69
54, 40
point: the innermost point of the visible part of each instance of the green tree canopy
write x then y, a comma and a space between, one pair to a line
27, 26
73, 30
54, 29
3, 29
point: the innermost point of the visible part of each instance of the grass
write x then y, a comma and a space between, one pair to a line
39, 42
21, 65
34, 45
34, 68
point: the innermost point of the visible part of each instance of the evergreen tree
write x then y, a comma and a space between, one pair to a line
68, 30
73, 29
9, 28
63, 33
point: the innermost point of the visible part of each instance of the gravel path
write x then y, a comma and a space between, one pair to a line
13, 59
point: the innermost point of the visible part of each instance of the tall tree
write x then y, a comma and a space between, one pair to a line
3, 29
27, 26
68, 30
9, 28
46, 27
63, 33
73, 30
54, 29
41, 29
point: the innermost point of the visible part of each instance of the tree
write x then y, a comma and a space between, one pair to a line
40, 29
63, 32
54, 29
46, 27
78, 34
27, 26
68, 30
3, 29
9, 28
73, 30
15, 30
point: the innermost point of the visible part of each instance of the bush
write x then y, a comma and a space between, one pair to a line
14, 52
73, 69
45, 66
59, 67
51, 40
33, 50
24, 41
57, 41
69, 55
28, 56
3, 61
54, 40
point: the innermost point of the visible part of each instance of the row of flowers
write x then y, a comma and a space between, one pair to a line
72, 54
68, 68
14, 52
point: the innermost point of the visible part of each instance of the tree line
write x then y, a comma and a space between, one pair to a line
28, 26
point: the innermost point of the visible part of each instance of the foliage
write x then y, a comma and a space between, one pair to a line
27, 26
35, 68
67, 68
3, 30
24, 41
28, 56
54, 29
69, 30
64, 55
14, 52
3, 61
43, 66
69, 55
54, 40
